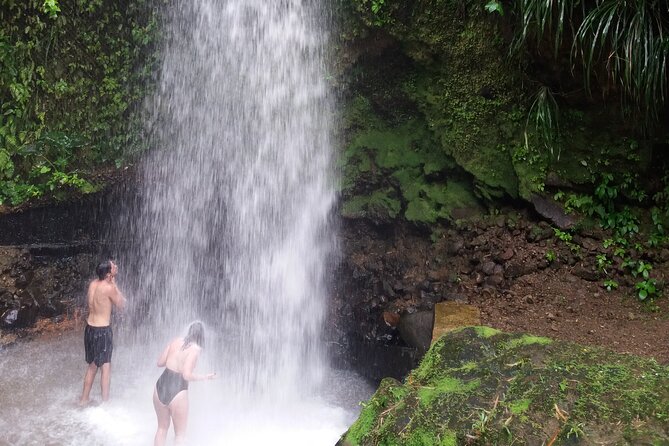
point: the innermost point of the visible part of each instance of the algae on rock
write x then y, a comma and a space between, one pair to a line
478, 385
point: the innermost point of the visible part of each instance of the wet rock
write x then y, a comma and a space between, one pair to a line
22, 317
481, 240
456, 297
416, 329
494, 281
454, 246
391, 319
399, 286
488, 268
507, 254
438, 275
589, 244
9, 318
23, 280
430, 298
5, 296
554, 180
52, 308
360, 273
538, 233
518, 269
585, 273
553, 211
388, 289
664, 255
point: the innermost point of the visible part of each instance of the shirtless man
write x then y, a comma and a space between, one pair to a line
102, 295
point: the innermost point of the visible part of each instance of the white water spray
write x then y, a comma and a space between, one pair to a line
234, 228
235, 224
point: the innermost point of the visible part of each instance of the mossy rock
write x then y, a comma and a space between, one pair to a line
481, 386
399, 170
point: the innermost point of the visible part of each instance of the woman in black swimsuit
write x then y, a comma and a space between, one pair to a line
170, 397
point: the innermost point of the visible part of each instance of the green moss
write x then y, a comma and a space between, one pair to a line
446, 385
448, 438
386, 395
468, 366
403, 157
527, 340
428, 365
486, 332
520, 406
380, 205
421, 437
363, 424
512, 395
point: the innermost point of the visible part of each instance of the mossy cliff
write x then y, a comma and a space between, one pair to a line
73, 75
481, 386
436, 115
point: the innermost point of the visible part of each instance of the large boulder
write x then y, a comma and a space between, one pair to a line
481, 386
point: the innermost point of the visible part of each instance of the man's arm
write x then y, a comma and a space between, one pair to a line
117, 298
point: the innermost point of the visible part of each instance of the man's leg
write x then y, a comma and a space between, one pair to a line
105, 380
91, 370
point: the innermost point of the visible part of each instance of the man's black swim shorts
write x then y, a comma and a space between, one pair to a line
98, 344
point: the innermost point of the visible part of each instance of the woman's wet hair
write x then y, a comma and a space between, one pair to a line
195, 335
103, 269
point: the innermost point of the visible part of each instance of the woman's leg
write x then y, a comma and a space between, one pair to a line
163, 414
179, 410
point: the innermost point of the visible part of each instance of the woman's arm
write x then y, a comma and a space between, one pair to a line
162, 360
189, 367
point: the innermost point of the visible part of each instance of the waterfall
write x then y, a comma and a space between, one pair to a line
234, 223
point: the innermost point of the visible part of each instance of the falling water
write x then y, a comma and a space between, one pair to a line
234, 229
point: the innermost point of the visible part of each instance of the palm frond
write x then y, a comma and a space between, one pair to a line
627, 35
541, 17
544, 115
626, 38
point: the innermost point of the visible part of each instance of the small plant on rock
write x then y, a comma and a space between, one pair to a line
551, 256
610, 284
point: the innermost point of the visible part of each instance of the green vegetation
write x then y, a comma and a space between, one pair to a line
628, 241
522, 390
71, 75
481, 88
626, 38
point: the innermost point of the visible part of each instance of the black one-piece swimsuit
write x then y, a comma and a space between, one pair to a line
169, 384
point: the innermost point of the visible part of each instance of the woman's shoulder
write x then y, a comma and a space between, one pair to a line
177, 342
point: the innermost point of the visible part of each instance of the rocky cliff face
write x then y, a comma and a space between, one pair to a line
48, 254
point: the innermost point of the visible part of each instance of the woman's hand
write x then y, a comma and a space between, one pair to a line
211, 376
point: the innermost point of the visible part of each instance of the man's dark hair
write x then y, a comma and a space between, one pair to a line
103, 269
195, 335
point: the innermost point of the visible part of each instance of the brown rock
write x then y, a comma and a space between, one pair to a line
391, 319
488, 268
507, 255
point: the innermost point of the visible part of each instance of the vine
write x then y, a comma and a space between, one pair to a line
71, 76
